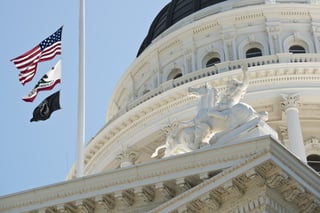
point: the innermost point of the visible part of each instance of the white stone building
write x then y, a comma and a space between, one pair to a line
268, 166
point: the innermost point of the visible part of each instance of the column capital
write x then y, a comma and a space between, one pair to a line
290, 101
127, 157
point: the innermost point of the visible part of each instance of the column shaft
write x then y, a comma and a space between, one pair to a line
290, 104
296, 144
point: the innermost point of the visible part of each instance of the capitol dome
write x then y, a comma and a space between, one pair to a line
171, 14
191, 43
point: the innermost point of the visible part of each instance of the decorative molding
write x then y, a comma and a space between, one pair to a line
276, 180
127, 158
252, 174
292, 193
312, 146
84, 206
249, 16
183, 183
212, 201
104, 202
274, 205
310, 205
206, 27
293, 12
146, 193
204, 176
290, 101
185, 209
233, 189
126, 197
165, 190
65, 208
283, 132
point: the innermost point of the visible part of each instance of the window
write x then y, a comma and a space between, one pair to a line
145, 92
177, 76
210, 59
297, 49
212, 62
253, 52
174, 74
314, 162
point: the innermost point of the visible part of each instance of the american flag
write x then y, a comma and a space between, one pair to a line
27, 63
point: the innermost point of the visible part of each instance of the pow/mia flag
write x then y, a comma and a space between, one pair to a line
46, 107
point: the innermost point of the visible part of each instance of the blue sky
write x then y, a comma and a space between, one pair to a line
41, 153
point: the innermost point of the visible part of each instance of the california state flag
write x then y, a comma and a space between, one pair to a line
47, 82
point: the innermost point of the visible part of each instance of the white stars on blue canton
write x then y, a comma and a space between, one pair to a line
55, 37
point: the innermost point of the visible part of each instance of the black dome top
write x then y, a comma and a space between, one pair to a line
171, 14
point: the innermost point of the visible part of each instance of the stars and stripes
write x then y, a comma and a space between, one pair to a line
27, 63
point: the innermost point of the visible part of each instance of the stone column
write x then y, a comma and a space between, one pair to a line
316, 35
289, 105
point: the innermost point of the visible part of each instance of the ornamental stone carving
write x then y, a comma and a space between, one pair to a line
126, 197
146, 193
165, 190
233, 189
290, 101
84, 206
213, 202
183, 184
127, 158
104, 202
276, 180
65, 208
312, 146
292, 193
219, 118
253, 174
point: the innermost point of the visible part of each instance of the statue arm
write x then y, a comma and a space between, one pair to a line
245, 80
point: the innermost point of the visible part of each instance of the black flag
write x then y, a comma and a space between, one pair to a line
46, 107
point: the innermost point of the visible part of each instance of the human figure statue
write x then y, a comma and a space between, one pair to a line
230, 109
234, 93
215, 121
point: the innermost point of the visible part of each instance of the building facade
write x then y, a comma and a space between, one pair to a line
261, 165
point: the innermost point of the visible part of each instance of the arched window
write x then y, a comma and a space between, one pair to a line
177, 76
253, 52
314, 161
174, 74
145, 91
212, 61
297, 49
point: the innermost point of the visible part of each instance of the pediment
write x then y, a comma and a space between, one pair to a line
246, 177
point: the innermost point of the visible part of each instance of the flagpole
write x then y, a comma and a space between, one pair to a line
81, 92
